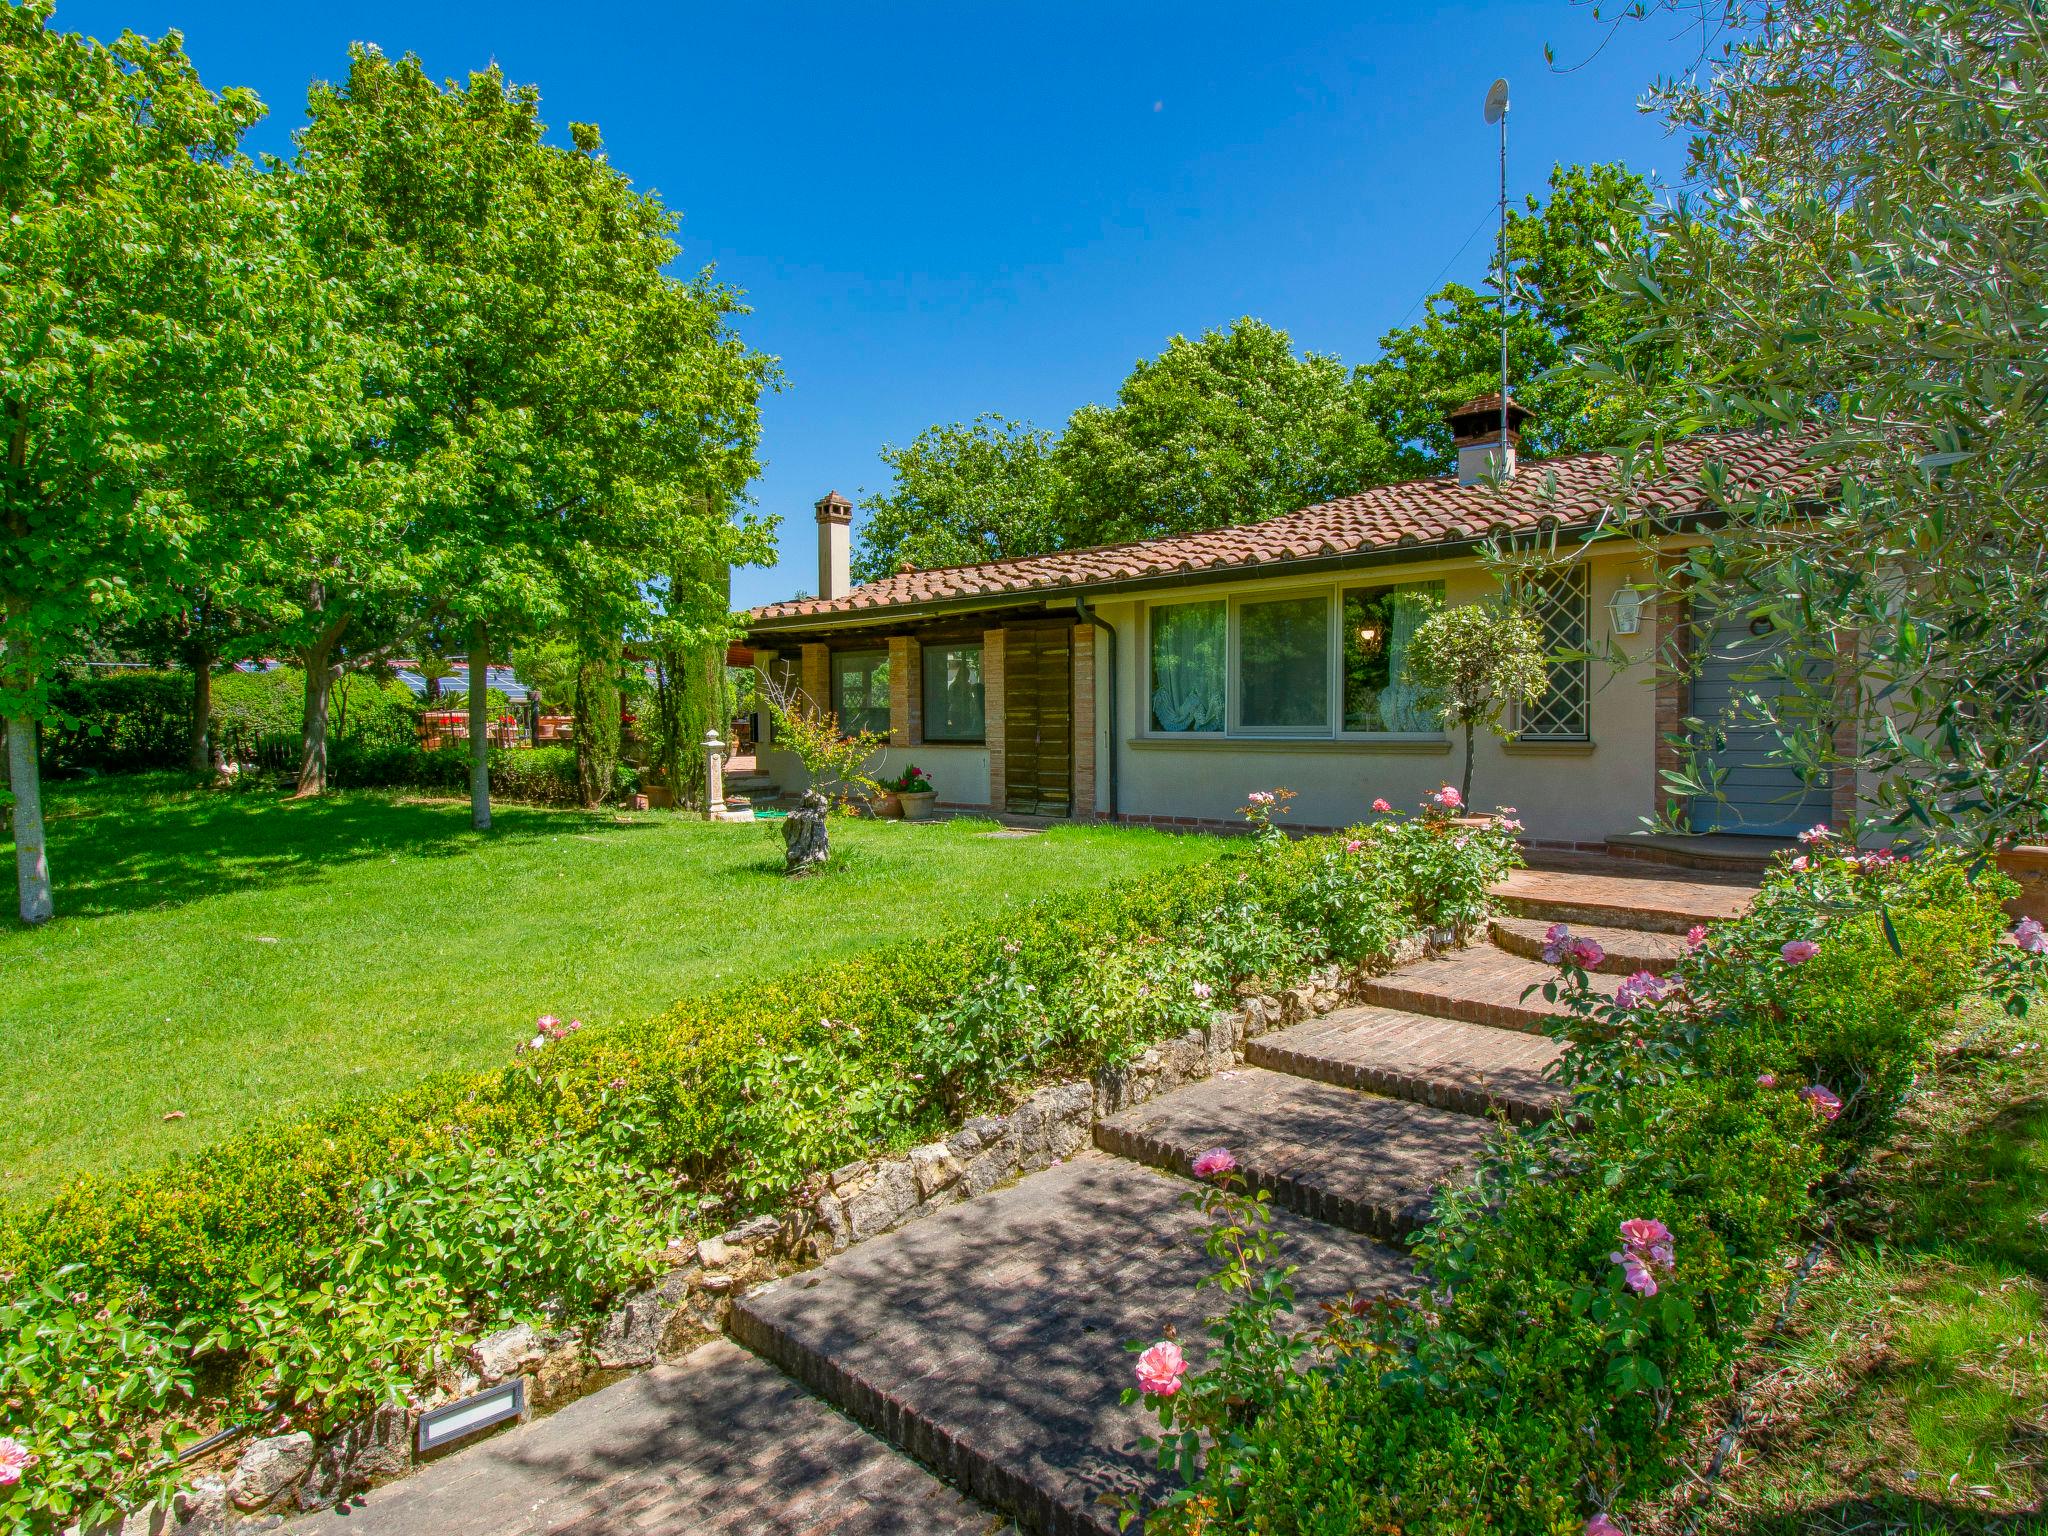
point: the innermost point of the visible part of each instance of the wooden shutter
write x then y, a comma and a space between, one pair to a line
1038, 705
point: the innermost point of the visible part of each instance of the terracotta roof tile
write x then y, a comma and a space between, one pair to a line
1573, 490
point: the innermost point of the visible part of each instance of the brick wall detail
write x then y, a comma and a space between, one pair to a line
906, 692
992, 652
1084, 722
1671, 627
817, 675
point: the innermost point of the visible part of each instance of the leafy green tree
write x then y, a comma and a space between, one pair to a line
1591, 222
1472, 662
1230, 428
1865, 264
964, 493
568, 419
137, 262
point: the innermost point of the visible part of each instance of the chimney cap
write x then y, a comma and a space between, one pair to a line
834, 508
1478, 419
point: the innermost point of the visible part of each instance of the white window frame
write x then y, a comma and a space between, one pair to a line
1337, 610
1332, 592
1233, 651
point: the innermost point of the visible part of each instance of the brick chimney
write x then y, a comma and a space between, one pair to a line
835, 545
1475, 431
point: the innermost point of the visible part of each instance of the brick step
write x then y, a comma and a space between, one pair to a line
1720, 853
1480, 986
987, 1340
1628, 950
1474, 1069
718, 1443
1621, 901
1358, 1160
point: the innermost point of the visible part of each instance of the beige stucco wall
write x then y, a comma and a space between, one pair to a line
959, 773
1565, 793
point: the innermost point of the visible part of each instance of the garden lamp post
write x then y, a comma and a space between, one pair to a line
714, 775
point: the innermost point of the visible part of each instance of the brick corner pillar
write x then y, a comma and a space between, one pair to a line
906, 695
1844, 799
1671, 656
764, 717
1084, 722
992, 655
816, 676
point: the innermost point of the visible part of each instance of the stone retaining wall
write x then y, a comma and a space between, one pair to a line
281, 1475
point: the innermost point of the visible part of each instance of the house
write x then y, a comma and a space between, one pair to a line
1160, 681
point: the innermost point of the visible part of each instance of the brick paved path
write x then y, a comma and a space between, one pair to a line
987, 1341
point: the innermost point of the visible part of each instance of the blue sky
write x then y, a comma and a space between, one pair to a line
937, 211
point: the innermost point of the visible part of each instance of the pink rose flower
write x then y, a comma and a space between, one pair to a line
1767, 1080
1821, 1101
1354, 846
1160, 1369
1800, 863
15, 1459
1819, 833
1587, 953
1695, 936
1644, 1232
1448, 798
2031, 936
1381, 806
1600, 1525
1640, 988
1214, 1163
1798, 952
1261, 797
1635, 1274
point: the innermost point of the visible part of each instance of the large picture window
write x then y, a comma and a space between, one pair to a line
953, 693
1379, 625
1188, 667
860, 691
1283, 664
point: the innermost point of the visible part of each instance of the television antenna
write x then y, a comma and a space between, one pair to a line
1497, 112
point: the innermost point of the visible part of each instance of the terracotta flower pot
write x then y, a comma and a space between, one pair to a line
2028, 864
889, 805
917, 804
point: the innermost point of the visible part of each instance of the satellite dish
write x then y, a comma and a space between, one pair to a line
1497, 101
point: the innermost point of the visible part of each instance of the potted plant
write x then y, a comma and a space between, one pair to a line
2025, 859
913, 793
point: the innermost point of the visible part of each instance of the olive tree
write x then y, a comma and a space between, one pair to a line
1473, 662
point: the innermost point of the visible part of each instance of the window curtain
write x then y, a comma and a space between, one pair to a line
1399, 709
1187, 667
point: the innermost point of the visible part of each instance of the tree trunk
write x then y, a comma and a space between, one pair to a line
433, 690
200, 755
479, 727
1465, 786
318, 659
31, 864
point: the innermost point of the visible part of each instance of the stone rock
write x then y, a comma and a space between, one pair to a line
851, 1175
934, 1167
806, 843
373, 1449
884, 1202
832, 1217
988, 1169
714, 1253
631, 1336
560, 1376
202, 1508
270, 1468
752, 1231
507, 1353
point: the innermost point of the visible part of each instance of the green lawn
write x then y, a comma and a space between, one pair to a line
227, 956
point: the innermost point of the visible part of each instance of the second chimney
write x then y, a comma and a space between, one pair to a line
1475, 432
835, 540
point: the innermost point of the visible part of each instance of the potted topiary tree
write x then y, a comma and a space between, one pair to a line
1471, 662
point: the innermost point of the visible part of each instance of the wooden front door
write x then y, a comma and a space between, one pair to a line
1038, 725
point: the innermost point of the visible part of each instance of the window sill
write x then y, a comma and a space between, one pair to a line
1547, 748
1357, 747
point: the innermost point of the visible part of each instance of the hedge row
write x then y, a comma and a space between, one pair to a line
124, 722
1591, 1289
326, 1262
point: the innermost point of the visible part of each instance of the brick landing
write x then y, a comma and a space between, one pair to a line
718, 1444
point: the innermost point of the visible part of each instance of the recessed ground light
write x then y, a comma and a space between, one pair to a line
455, 1421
